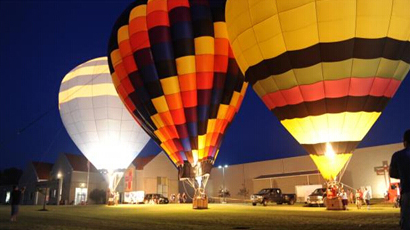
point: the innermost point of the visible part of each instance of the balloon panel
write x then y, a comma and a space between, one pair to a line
326, 69
96, 119
172, 66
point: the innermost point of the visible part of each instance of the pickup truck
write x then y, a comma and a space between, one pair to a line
273, 195
318, 197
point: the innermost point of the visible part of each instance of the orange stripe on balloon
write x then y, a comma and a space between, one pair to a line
156, 5
221, 46
189, 98
157, 18
221, 64
174, 101
204, 63
137, 25
139, 41
187, 82
204, 80
178, 116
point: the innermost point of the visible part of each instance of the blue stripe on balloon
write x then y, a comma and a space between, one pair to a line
199, 12
203, 112
162, 51
149, 73
181, 30
186, 144
193, 129
216, 96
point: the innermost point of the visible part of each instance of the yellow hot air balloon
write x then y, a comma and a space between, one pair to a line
325, 68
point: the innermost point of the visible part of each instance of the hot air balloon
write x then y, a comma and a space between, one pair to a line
97, 121
326, 69
173, 68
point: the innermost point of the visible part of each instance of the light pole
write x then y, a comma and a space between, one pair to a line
223, 181
60, 187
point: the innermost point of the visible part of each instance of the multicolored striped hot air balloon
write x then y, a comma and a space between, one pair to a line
326, 69
173, 68
97, 121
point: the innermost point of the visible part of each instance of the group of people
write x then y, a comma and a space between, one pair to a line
362, 197
179, 198
358, 197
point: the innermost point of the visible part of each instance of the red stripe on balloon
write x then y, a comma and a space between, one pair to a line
373, 86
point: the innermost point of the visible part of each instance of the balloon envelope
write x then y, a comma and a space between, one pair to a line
96, 119
326, 69
172, 65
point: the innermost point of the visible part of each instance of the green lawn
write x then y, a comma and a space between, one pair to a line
218, 216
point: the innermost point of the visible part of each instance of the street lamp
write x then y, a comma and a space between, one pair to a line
60, 187
223, 179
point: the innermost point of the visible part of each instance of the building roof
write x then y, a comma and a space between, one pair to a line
79, 163
43, 169
140, 162
301, 173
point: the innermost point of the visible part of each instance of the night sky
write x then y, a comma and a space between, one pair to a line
42, 41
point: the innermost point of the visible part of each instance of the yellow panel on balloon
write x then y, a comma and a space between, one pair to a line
330, 166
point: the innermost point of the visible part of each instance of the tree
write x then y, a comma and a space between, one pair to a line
98, 196
243, 191
10, 176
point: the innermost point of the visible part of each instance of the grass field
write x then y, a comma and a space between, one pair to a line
218, 216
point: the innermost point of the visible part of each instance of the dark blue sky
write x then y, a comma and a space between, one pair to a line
41, 41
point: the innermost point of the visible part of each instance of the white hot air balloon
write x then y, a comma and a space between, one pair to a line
97, 121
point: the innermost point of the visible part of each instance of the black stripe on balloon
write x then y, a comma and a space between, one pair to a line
181, 31
201, 15
330, 52
331, 106
338, 147
234, 81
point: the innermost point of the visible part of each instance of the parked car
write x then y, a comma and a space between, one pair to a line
317, 197
155, 198
273, 195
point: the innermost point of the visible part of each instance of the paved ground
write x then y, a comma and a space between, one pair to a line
218, 216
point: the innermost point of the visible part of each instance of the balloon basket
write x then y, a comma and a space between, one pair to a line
200, 203
334, 204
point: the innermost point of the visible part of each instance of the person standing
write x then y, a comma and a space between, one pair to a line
367, 197
358, 199
351, 196
399, 169
184, 198
15, 202
345, 200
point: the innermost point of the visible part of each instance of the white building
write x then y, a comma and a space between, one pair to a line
290, 173
152, 174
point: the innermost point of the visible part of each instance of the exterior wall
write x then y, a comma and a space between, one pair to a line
146, 179
139, 177
160, 166
359, 173
79, 180
242, 176
71, 180
62, 167
29, 180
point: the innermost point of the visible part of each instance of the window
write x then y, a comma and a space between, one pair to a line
162, 186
